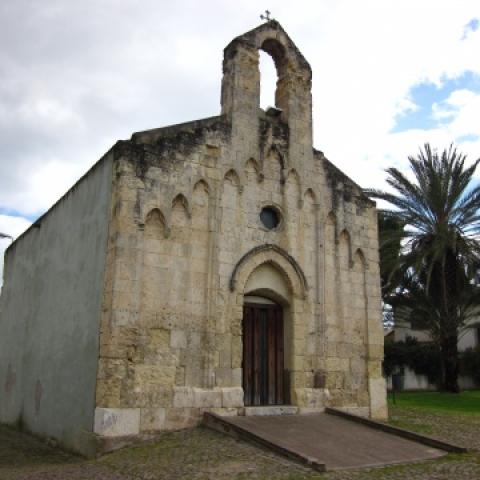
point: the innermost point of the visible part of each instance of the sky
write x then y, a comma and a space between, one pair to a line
388, 76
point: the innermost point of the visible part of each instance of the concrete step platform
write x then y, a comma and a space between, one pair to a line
271, 410
324, 441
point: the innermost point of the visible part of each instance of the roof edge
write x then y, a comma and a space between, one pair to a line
156, 133
339, 172
38, 221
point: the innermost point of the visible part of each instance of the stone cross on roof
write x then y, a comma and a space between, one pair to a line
266, 17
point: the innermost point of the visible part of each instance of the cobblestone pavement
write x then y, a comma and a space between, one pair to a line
23, 457
203, 454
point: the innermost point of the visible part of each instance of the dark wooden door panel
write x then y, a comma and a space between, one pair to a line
272, 358
263, 355
257, 357
247, 354
279, 359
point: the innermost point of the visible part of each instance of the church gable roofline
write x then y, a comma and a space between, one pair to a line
154, 134
91, 171
335, 175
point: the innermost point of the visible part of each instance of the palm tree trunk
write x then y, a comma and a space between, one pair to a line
449, 353
451, 276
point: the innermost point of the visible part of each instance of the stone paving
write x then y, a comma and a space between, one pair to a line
201, 454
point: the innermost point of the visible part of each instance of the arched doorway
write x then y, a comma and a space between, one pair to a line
265, 309
263, 352
268, 275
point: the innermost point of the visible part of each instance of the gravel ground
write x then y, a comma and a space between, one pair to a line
203, 454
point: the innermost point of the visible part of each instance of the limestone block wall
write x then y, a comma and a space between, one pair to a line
354, 344
158, 347
171, 341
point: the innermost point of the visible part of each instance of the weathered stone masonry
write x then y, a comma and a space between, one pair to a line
186, 246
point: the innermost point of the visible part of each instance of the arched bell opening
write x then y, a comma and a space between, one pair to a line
268, 80
275, 83
274, 67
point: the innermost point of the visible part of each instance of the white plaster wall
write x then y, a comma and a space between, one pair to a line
468, 339
49, 315
412, 381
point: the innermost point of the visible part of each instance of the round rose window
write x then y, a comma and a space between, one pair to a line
270, 217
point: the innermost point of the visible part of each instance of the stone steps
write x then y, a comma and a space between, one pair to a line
271, 410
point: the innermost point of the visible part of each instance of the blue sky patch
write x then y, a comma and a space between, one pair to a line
15, 213
472, 26
467, 138
425, 95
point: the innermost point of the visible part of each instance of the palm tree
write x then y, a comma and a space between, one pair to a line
440, 253
390, 234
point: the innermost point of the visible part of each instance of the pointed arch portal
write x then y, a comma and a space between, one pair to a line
270, 282
269, 253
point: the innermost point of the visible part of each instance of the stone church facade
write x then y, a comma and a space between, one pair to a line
219, 265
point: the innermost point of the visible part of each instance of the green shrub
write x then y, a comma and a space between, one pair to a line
424, 359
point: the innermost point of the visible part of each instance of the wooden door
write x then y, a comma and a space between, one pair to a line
263, 355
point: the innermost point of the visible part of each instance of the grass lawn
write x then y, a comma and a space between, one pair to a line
451, 417
466, 403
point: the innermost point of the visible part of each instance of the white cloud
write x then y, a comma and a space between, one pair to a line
12, 226
461, 109
382, 54
467, 105
76, 76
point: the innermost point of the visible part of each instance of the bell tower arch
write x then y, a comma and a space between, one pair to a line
240, 96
